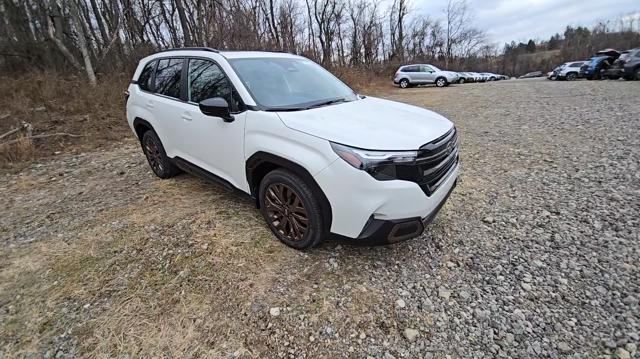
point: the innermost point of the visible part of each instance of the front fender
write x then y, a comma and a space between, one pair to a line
265, 132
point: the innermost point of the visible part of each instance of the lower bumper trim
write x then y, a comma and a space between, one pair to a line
381, 232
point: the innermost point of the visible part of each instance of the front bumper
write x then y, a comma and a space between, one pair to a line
381, 232
357, 200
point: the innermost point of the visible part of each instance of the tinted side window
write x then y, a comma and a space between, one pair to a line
207, 80
168, 76
144, 80
410, 69
576, 64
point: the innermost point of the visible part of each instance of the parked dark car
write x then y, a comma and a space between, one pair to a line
591, 70
631, 66
594, 67
617, 68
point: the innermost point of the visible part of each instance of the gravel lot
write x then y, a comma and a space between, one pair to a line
536, 254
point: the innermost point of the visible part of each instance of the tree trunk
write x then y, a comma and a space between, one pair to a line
82, 44
184, 23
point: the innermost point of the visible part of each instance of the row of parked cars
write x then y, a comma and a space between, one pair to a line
606, 64
424, 74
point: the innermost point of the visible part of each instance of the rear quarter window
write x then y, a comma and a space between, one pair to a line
144, 80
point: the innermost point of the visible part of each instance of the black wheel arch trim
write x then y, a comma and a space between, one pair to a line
139, 123
261, 159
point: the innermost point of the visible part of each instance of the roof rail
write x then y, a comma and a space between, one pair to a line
192, 49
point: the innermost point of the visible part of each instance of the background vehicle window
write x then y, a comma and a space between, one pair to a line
206, 80
168, 76
425, 68
410, 69
576, 64
144, 80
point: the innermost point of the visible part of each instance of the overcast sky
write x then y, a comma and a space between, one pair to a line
519, 20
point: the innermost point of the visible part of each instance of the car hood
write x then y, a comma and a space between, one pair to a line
370, 123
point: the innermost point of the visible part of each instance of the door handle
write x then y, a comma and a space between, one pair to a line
186, 116
150, 104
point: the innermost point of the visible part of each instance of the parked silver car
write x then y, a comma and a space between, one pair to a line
422, 74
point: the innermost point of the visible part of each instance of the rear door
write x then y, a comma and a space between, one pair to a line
167, 103
412, 72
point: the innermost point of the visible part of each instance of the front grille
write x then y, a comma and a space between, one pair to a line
435, 160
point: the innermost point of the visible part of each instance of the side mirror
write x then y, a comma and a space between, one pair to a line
216, 107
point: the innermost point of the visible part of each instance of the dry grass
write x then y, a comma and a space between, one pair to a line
20, 151
367, 81
163, 283
55, 103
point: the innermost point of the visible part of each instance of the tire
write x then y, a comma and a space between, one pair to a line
461, 81
160, 164
571, 76
404, 83
637, 74
441, 82
286, 202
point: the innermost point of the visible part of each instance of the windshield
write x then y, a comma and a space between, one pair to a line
290, 83
434, 68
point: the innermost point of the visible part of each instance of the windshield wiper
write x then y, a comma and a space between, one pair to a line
310, 106
284, 109
327, 102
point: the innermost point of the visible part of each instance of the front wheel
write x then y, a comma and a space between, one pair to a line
637, 74
571, 76
291, 210
404, 83
461, 81
441, 82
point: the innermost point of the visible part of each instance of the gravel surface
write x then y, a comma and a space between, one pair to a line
536, 253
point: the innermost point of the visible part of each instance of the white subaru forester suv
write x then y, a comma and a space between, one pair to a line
320, 160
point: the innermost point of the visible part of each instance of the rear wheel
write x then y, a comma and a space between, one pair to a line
637, 74
291, 210
441, 82
404, 83
462, 80
160, 164
571, 76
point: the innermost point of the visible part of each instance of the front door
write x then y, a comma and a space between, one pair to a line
213, 144
428, 74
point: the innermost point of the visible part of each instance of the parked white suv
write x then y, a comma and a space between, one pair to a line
412, 75
568, 71
319, 159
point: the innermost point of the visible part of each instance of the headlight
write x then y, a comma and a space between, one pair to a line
379, 164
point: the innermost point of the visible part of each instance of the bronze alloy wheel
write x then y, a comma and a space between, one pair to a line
285, 211
152, 150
